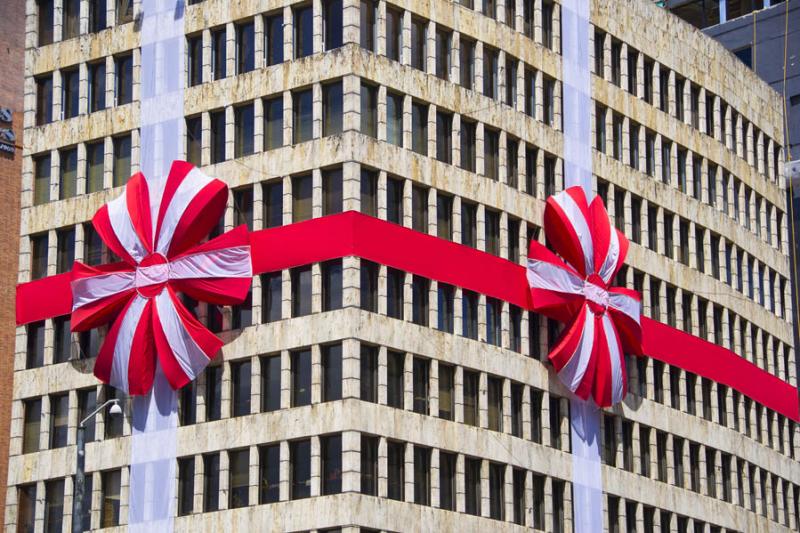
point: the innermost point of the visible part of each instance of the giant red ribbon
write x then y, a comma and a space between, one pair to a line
158, 261
355, 234
602, 321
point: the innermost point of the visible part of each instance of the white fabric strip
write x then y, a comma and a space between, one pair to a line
581, 227
612, 257
188, 354
572, 373
614, 354
187, 190
544, 275
123, 228
122, 348
89, 290
625, 304
225, 263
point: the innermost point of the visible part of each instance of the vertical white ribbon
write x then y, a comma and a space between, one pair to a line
587, 482
155, 416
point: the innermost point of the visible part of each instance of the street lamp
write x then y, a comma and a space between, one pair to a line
80, 477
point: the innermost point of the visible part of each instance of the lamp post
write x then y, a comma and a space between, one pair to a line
80, 476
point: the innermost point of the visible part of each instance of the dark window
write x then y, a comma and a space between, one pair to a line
269, 473
369, 285
421, 385
444, 216
32, 425
332, 108
59, 420
492, 232
368, 373
512, 163
238, 478
495, 401
549, 97
419, 128
122, 160
331, 285
124, 79
395, 280
218, 57
530, 92
419, 209
369, 465
302, 187
300, 468
301, 377
369, 32
331, 451
273, 39
490, 72
471, 381
194, 49
244, 134
549, 176
44, 100
395, 379
70, 93
494, 311
396, 452
124, 11
443, 40
188, 404
218, 136
87, 403
497, 497
369, 192
547, 23
270, 383
472, 485
302, 105
273, 123
240, 382
420, 288
511, 78
468, 145
394, 33
491, 153
447, 481
469, 301
45, 32
467, 61
303, 31
213, 393
331, 372
110, 498
97, 86
271, 294
446, 298
194, 143
245, 47
210, 482
469, 224
418, 42
446, 392
331, 191
369, 110
422, 475
185, 485
65, 251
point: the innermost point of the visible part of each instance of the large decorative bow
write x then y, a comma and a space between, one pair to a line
602, 322
160, 258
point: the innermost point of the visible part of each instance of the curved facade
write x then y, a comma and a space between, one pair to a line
353, 396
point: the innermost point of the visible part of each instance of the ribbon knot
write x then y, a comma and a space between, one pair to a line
160, 261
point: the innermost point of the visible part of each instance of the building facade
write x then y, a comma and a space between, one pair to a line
356, 397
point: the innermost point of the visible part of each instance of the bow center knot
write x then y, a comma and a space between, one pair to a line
151, 275
596, 295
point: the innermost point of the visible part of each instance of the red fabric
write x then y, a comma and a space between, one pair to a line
355, 234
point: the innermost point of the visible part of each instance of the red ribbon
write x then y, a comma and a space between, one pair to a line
355, 234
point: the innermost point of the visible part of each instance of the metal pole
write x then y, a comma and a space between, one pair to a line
77, 493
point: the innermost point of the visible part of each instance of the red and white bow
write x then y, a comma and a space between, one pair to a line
602, 322
160, 258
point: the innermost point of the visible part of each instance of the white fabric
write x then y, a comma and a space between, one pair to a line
122, 348
188, 354
123, 228
615, 356
595, 294
88, 290
580, 225
630, 306
544, 275
231, 262
572, 373
151, 275
612, 257
187, 190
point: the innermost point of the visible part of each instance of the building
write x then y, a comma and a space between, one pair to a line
356, 397
12, 61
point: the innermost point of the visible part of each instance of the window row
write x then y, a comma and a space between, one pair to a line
624, 66
67, 18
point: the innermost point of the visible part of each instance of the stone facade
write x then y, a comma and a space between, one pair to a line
351, 396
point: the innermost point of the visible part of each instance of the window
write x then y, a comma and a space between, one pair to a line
419, 128
497, 497
444, 137
396, 470
194, 138
271, 293
59, 420
211, 482
218, 61
395, 280
395, 379
467, 62
45, 32
238, 478
369, 286
269, 473
110, 498
418, 42
369, 110
243, 133
394, 118
65, 240
469, 302
71, 18
273, 123
394, 33
122, 160
491, 145
240, 382
44, 100
471, 382
443, 40
445, 295
468, 145
32, 425
495, 399
549, 175
218, 136
512, 168
303, 31
302, 110
39, 245
87, 403
331, 108
245, 47
490, 72
332, 23
123, 89
616, 124
515, 333
331, 372
511, 79
331, 191
301, 198
331, 450
185, 486
680, 83
124, 10
633, 59
447, 481
530, 92
422, 475
666, 161
273, 39
421, 385
644, 450
536, 415
368, 373
70, 80
494, 310
420, 288
633, 143
492, 232
301, 377
331, 285
188, 404
549, 88
469, 223
369, 465
649, 153
194, 50
369, 32
419, 209
270, 383
472, 485
213, 393
97, 86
